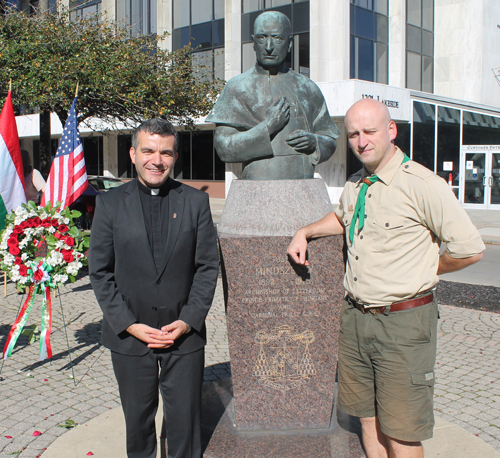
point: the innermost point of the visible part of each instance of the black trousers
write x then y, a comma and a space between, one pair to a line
179, 379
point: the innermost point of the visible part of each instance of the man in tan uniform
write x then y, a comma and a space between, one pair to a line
395, 213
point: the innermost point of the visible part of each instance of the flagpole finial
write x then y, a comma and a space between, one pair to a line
76, 90
10, 85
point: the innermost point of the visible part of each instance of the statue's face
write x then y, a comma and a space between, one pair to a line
271, 41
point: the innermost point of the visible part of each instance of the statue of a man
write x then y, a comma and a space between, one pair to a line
270, 118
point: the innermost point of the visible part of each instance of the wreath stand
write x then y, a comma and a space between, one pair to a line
54, 290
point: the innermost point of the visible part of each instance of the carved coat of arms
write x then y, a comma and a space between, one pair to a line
284, 361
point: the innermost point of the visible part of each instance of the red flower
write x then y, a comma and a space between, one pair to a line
30, 222
24, 225
38, 275
57, 235
17, 230
63, 228
37, 220
45, 223
18, 261
70, 241
12, 242
23, 270
67, 255
54, 222
14, 250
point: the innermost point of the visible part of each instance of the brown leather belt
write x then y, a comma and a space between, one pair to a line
396, 306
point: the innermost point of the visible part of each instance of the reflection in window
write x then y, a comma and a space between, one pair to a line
420, 45
204, 32
448, 145
424, 119
197, 159
140, 15
81, 8
481, 129
369, 40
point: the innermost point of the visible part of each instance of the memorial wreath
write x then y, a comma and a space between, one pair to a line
40, 249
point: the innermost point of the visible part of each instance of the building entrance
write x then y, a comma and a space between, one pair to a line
481, 181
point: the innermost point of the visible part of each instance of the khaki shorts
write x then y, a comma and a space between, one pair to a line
386, 368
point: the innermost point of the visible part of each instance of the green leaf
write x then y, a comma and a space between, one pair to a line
76, 214
74, 232
68, 424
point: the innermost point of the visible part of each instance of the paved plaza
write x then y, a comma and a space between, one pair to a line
42, 396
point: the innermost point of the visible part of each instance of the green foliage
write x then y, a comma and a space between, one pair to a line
121, 78
68, 424
31, 332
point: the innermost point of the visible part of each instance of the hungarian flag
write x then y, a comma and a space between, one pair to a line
11, 164
68, 175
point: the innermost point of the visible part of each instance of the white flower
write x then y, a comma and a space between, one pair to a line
23, 242
24, 280
66, 221
60, 244
60, 278
43, 215
73, 267
3, 245
55, 259
24, 256
21, 211
51, 229
8, 260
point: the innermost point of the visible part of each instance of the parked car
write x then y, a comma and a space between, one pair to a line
85, 204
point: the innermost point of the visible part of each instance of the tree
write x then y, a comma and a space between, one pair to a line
122, 78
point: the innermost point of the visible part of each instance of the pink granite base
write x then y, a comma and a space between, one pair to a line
228, 442
283, 324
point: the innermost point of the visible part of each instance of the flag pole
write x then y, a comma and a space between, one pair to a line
10, 85
4, 284
76, 90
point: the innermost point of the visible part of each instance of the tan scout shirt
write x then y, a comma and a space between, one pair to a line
409, 211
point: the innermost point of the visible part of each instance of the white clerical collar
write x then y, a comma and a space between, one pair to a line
155, 191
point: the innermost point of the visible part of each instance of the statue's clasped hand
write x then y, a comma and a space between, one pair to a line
302, 141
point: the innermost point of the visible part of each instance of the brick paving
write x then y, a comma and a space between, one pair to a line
39, 396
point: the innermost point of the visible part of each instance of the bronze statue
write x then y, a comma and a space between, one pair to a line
270, 118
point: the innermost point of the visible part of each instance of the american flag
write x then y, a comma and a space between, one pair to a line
68, 175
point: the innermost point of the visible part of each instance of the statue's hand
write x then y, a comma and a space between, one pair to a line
302, 141
277, 116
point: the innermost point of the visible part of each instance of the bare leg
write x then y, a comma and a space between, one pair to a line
374, 440
400, 449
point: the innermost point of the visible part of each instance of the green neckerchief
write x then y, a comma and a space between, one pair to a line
359, 210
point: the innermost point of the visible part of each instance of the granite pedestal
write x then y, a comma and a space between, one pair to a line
283, 324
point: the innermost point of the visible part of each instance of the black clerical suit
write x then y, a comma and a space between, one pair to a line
139, 278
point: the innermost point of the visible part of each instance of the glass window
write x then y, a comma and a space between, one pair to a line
201, 36
201, 11
365, 59
414, 12
182, 168
202, 154
448, 143
203, 64
252, 5
428, 15
427, 43
403, 139
380, 6
382, 64
92, 148
424, 118
413, 70
218, 33
275, 3
181, 13
125, 167
219, 9
247, 56
480, 129
427, 74
181, 38
303, 61
300, 21
382, 23
414, 39
219, 63
364, 23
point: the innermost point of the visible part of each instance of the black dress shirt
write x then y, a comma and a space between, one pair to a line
155, 210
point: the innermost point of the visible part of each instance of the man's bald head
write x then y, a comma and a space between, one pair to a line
371, 133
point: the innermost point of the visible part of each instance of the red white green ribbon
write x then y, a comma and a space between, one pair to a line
41, 285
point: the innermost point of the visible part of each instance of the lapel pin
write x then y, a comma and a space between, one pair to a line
175, 215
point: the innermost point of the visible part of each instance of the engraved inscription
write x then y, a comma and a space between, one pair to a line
284, 361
